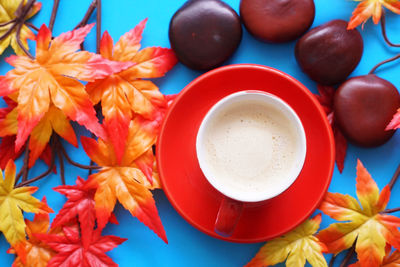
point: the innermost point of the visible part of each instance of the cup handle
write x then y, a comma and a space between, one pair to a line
228, 216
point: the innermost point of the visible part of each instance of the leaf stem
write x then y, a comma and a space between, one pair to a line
85, 19
383, 28
395, 177
332, 261
19, 42
76, 164
31, 25
24, 11
18, 12
19, 16
4, 36
21, 12
18, 176
53, 14
98, 26
384, 62
61, 162
47, 172
7, 23
391, 210
349, 255
88, 13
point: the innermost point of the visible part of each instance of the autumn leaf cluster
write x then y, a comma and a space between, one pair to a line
363, 223
44, 94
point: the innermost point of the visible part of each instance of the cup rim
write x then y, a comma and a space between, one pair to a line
295, 171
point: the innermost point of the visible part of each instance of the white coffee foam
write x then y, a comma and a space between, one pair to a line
251, 146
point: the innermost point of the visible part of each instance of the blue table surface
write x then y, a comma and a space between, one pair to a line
188, 246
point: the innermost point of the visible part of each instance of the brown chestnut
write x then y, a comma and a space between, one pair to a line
363, 107
204, 33
277, 21
329, 53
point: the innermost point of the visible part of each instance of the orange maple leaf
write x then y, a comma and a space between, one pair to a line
37, 254
124, 94
52, 79
126, 180
390, 260
372, 8
364, 222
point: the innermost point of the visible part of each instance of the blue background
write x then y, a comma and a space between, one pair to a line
188, 246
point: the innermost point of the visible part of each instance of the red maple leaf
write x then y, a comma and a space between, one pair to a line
325, 98
80, 204
7, 150
71, 251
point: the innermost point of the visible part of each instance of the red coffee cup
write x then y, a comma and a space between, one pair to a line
222, 157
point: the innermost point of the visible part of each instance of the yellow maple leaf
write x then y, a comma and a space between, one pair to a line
296, 247
7, 13
372, 8
12, 202
38, 254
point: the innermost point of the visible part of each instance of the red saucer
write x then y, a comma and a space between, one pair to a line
189, 191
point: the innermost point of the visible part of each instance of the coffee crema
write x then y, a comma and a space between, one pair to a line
251, 146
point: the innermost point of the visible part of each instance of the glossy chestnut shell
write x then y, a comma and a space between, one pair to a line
204, 33
277, 21
329, 53
363, 107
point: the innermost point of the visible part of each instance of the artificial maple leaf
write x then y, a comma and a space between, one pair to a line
71, 251
372, 8
7, 150
38, 254
52, 79
148, 165
126, 180
8, 118
80, 204
53, 120
364, 224
325, 98
124, 94
395, 122
7, 13
390, 260
12, 202
296, 247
